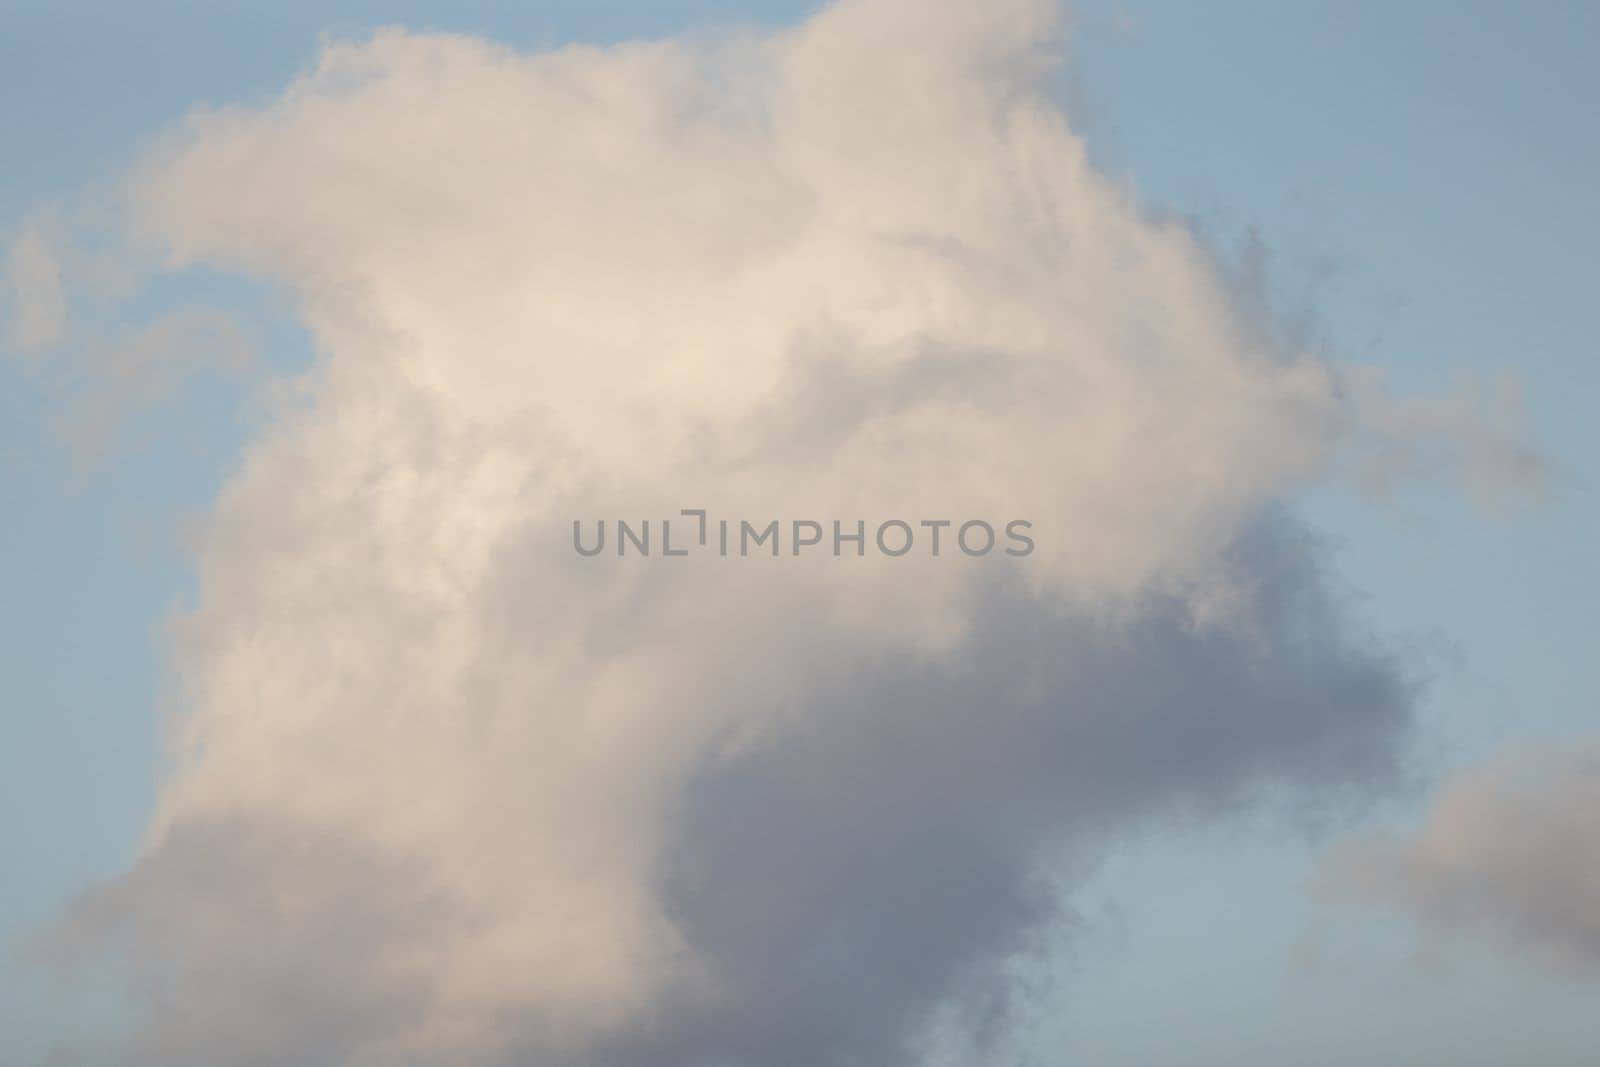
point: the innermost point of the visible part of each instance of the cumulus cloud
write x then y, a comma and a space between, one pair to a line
444, 791
1510, 852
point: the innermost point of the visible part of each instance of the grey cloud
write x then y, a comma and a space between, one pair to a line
850, 883
1508, 853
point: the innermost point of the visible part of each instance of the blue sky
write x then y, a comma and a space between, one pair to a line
1422, 178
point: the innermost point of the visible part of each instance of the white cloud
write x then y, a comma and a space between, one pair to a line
443, 790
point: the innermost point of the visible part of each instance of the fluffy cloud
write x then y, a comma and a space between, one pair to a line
1511, 852
444, 791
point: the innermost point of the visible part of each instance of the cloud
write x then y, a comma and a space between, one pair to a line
1508, 852
38, 301
126, 374
442, 790
108, 364
1473, 435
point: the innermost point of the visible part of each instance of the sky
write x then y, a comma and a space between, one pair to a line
1271, 317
